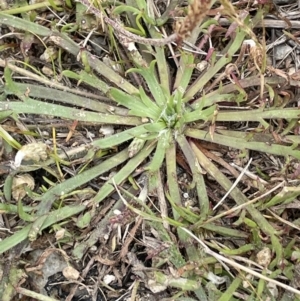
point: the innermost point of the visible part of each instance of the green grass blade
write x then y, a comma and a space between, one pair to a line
148, 102
71, 184
213, 70
119, 138
227, 295
284, 197
185, 70
37, 91
172, 177
200, 114
197, 175
175, 200
136, 106
88, 78
159, 155
213, 98
239, 143
184, 212
162, 65
181, 283
32, 106
53, 217
240, 199
149, 75
107, 189
258, 115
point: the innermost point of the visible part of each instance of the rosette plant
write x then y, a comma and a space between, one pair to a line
181, 118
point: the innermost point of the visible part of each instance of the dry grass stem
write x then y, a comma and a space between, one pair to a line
234, 184
239, 207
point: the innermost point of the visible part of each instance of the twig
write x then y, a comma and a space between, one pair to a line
133, 37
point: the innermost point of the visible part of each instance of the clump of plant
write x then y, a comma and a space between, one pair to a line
179, 130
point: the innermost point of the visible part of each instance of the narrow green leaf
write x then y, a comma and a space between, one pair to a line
123, 98
88, 78
202, 80
10, 87
257, 115
227, 295
284, 197
209, 22
38, 91
53, 217
212, 98
31, 106
137, 108
7, 187
9, 139
200, 114
156, 127
184, 212
148, 102
125, 8
23, 215
184, 72
173, 186
197, 175
159, 155
84, 221
239, 143
117, 139
149, 75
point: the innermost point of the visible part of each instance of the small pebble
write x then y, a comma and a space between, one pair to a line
281, 51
